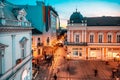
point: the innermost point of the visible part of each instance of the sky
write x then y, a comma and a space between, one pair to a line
88, 8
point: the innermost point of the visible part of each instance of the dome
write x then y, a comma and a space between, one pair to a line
76, 17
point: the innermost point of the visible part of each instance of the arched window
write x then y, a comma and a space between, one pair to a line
2, 52
118, 38
109, 37
77, 39
23, 42
100, 37
91, 37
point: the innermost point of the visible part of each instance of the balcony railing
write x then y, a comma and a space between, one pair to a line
104, 44
39, 44
7, 75
76, 44
8, 22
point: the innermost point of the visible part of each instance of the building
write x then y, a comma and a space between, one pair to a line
15, 43
51, 25
44, 19
93, 37
37, 43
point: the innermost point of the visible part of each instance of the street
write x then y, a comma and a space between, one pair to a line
75, 69
80, 69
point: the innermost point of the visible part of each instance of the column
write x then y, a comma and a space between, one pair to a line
72, 36
83, 36
105, 36
13, 50
68, 36
114, 37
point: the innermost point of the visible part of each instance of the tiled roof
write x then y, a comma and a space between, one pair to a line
103, 21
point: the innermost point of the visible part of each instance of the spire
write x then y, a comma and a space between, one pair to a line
76, 9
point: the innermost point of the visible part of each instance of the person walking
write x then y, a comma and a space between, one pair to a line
55, 77
95, 72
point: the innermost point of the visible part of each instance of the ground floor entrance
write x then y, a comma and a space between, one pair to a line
92, 53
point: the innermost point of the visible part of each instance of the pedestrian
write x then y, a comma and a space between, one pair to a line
55, 77
113, 73
95, 72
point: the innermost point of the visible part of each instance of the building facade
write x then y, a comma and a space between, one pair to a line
44, 19
15, 43
51, 25
93, 37
37, 43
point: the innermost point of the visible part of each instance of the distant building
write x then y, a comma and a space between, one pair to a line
93, 37
37, 43
15, 43
44, 19
51, 25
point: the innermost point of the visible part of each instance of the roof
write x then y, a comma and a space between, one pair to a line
35, 31
103, 21
76, 17
9, 14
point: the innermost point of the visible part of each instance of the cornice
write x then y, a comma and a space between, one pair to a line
15, 29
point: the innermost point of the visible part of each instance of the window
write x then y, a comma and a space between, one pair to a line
80, 54
91, 38
109, 38
48, 40
75, 53
38, 39
38, 51
0, 62
22, 50
100, 38
118, 38
23, 43
77, 39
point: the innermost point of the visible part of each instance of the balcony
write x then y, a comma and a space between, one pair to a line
39, 44
8, 22
76, 44
104, 44
8, 74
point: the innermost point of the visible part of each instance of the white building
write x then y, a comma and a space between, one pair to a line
15, 43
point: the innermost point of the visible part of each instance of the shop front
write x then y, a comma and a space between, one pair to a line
95, 53
77, 52
113, 53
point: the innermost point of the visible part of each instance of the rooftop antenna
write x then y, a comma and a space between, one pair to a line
76, 7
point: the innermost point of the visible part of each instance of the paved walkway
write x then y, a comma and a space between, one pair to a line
80, 69
76, 69
84, 70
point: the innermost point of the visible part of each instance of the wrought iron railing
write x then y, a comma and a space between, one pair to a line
77, 44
